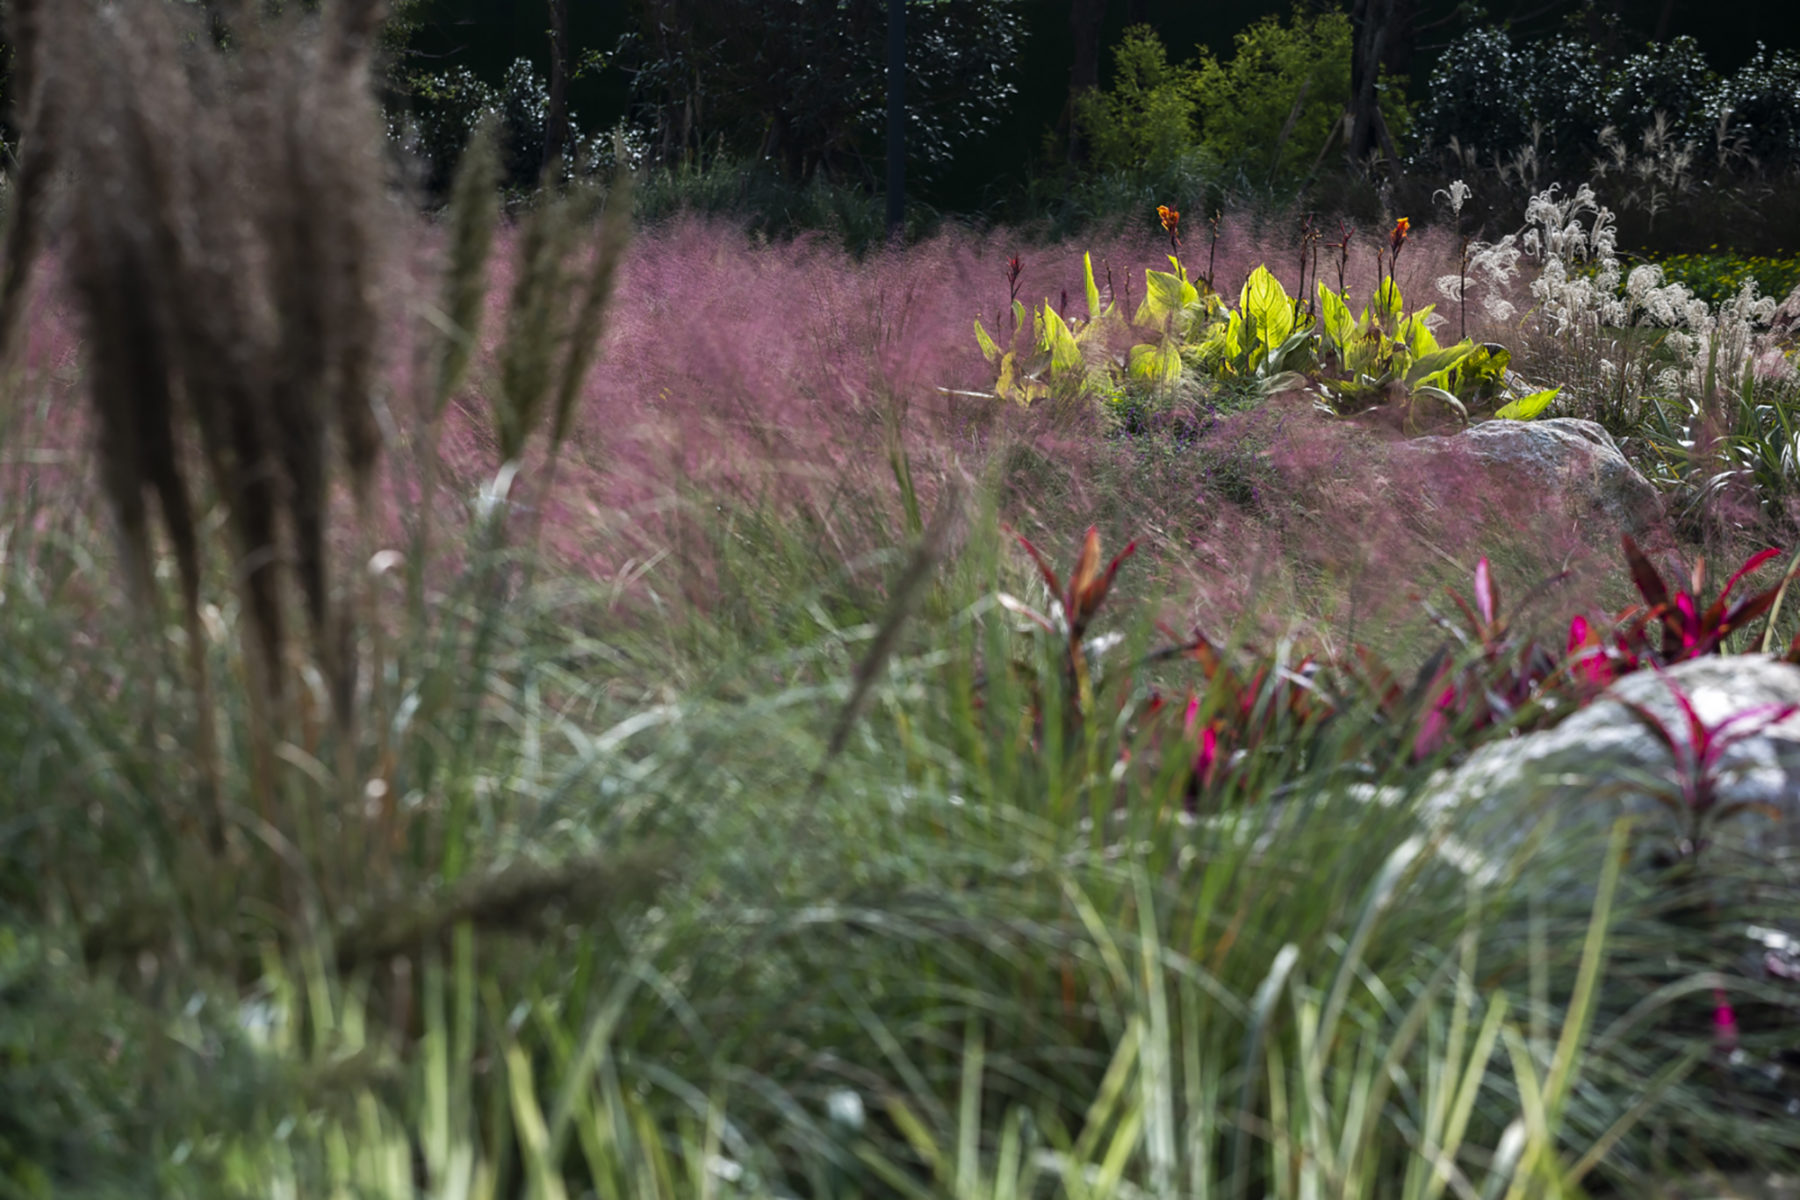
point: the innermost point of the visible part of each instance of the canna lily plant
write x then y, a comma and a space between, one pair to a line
1352, 361
1384, 349
1065, 358
1238, 713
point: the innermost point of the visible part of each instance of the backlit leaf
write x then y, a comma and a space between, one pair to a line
1527, 407
989, 350
1165, 295
1156, 362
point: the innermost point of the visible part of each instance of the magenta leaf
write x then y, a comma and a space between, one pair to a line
1486, 599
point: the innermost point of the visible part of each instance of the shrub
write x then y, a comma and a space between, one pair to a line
1478, 96
1670, 78
803, 85
1759, 106
1717, 277
444, 110
1264, 115
1659, 123
1145, 121
1270, 110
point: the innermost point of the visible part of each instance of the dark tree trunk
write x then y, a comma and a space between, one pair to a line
896, 117
1397, 54
1369, 23
1665, 20
1085, 20
556, 123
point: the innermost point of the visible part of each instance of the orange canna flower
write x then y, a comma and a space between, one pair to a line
1171, 222
1397, 238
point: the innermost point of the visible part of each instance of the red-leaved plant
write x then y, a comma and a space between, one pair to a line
1073, 607
1689, 630
1488, 680
1238, 713
1697, 755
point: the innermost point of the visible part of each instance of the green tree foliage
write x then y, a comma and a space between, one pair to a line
1265, 113
1145, 121
1270, 110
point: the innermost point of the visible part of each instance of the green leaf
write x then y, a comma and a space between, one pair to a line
1487, 364
1223, 345
1527, 407
1065, 355
1444, 398
1334, 315
1007, 388
1164, 295
1266, 304
1438, 363
1419, 338
989, 349
1093, 289
1281, 360
1387, 299
1156, 362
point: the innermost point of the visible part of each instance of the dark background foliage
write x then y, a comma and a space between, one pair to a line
800, 80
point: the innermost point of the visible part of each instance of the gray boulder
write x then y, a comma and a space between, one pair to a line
1784, 328
1602, 763
1576, 461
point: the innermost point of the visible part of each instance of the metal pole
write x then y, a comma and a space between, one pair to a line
896, 122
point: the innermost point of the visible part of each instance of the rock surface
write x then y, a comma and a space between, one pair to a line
1785, 327
1564, 457
1601, 762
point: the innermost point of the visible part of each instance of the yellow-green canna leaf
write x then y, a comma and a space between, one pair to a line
1527, 407
1434, 367
1007, 388
1065, 355
989, 349
1093, 289
1419, 338
1334, 315
1164, 295
1156, 362
1266, 305
1387, 300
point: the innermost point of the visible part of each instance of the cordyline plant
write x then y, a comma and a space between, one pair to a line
1490, 683
1489, 678
1240, 713
1073, 608
1693, 791
1690, 630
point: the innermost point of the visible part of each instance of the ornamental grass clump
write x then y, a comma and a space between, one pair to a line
217, 213
221, 246
732, 839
